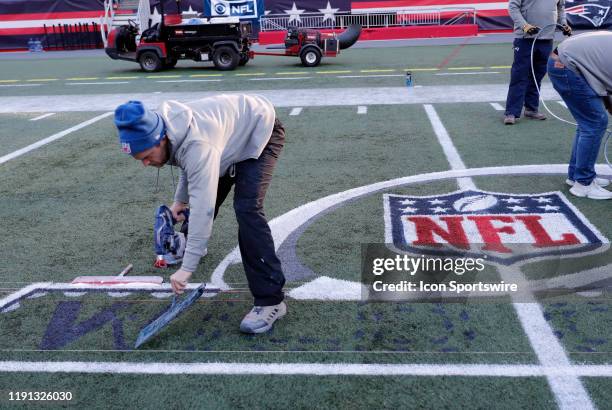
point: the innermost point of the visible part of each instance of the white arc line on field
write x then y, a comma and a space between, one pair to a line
40, 117
448, 147
296, 111
318, 369
497, 106
52, 138
567, 389
362, 109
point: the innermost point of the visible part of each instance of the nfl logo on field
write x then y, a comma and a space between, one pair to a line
125, 147
506, 228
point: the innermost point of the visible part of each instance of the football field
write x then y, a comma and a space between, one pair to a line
72, 204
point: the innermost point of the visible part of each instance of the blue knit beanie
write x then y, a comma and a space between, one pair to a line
139, 128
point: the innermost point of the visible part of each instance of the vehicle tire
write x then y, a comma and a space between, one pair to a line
226, 58
150, 61
311, 57
169, 63
244, 58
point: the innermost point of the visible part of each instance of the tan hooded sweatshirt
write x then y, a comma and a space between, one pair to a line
206, 137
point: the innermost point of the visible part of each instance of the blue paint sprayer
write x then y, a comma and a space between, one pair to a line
169, 245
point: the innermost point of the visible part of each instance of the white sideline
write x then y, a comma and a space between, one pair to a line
50, 139
567, 388
497, 106
316, 369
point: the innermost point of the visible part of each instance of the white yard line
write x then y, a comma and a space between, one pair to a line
370, 76
471, 73
452, 155
304, 97
52, 138
279, 78
296, 111
362, 109
190, 81
40, 117
101, 83
497, 106
562, 103
317, 369
567, 388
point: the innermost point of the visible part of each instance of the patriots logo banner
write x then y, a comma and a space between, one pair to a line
589, 14
507, 228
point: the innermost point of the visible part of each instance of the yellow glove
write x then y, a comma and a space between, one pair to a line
530, 29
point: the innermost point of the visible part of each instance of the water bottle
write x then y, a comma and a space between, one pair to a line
38, 46
408, 79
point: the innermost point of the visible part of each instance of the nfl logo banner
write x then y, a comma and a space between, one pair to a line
243, 9
507, 228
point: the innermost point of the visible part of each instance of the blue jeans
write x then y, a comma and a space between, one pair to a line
251, 181
589, 111
522, 89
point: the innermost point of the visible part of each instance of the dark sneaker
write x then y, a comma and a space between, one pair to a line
535, 115
261, 318
510, 119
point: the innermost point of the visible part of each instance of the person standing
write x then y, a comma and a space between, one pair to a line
580, 69
531, 18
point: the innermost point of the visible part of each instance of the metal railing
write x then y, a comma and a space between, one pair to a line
429, 17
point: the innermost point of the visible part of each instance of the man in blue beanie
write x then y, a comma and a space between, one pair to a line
217, 142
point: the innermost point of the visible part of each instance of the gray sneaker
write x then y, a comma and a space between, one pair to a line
602, 182
261, 318
509, 119
534, 115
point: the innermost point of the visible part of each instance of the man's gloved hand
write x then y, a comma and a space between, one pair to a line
566, 29
177, 208
179, 281
531, 30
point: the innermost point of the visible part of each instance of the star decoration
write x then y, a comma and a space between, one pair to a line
329, 13
549, 208
438, 209
542, 200
294, 14
517, 208
436, 202
407, 202
408, 210
513, 200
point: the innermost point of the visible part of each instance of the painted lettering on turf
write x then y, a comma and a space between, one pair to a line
64, 329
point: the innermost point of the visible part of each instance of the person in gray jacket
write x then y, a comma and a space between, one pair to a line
530, 17
217, 142
580, 69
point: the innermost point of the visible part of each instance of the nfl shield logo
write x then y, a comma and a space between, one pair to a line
125, 147
506, 228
